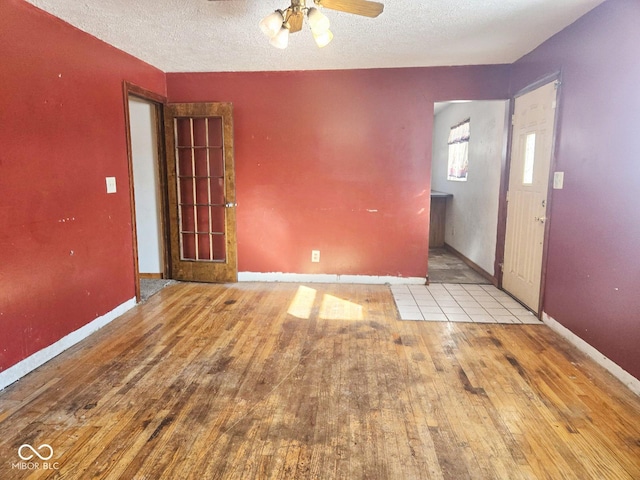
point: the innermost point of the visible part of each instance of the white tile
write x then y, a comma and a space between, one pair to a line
455, 309
425, 303
529, 319
435, 317
425, 310
458, 317
447, 301
443, 297
497, 293
408, 308
463, 298
483, 319
473, 288
402, 294
437, 293
506, 319
487, 305
455, 289
488, 288
422, 291
509, 303
405, 301
437, 287
468, 303
497, 311
424, 297
479, 318
410, 314
474, 310
482, 296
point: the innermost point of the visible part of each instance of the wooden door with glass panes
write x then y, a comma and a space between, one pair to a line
201, 184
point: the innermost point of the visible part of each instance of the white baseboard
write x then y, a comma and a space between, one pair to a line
625, 377
32, 362
327, 278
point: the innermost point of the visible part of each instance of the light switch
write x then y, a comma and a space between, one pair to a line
111, 184
558, 180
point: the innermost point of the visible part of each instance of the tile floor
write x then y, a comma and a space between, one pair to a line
451, 302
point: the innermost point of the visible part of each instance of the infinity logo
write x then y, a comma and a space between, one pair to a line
42, 447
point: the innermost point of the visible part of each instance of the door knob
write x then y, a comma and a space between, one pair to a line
230, 204
540, 219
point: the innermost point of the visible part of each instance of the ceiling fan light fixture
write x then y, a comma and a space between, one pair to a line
322, 39
278, 25
280, 39
272, 24
318, 22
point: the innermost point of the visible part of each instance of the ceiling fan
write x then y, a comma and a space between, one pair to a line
279, 24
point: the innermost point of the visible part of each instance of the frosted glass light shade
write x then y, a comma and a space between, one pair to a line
281, 39
271, 24
323, 39
318, 22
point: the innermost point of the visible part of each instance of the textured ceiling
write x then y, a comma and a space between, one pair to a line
221, 36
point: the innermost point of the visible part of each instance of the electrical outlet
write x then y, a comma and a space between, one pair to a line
111, 184
315, 256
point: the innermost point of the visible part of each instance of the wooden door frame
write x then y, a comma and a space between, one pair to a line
504, 183
158, 102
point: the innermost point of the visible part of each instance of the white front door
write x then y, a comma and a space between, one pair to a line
531, 151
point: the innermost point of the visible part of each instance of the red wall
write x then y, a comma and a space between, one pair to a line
337, 161
593, 277
65, 245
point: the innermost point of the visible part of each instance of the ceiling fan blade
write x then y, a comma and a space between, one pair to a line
357, 7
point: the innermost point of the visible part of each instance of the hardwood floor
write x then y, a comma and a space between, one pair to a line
284, 381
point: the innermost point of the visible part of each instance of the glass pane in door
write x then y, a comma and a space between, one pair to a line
201, 196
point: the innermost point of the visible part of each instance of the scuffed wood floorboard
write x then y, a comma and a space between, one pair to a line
282, 381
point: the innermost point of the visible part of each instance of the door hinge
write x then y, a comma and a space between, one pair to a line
556, 84
513, 119
501, 267
507, 196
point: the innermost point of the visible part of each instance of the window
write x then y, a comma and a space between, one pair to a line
458, 152
529, 158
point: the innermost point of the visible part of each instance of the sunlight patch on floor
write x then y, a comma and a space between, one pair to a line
334, 308
331, 307
302, 303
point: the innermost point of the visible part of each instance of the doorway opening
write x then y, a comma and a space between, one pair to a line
147, 180
465, 192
